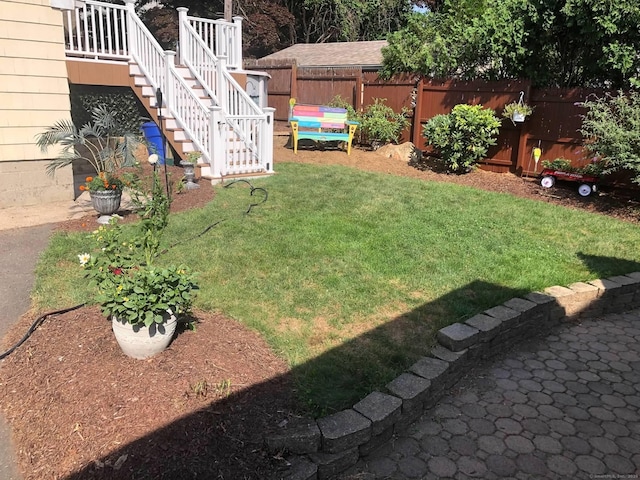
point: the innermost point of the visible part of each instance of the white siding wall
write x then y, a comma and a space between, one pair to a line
34, 93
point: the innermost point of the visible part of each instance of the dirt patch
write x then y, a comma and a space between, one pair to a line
80, 409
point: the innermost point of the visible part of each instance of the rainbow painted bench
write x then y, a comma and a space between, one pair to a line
320, 124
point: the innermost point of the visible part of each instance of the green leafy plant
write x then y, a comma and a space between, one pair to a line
380, 124
98, 143
562, 164
595, 167
192, 157
463, 136
129, 284
340, 102
611, 131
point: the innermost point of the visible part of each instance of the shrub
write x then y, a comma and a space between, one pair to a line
463, 136
380, 124
611, 129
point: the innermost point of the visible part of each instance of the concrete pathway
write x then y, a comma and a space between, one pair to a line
566, 406
19, 251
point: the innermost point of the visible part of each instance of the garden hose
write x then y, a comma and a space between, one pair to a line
40, 320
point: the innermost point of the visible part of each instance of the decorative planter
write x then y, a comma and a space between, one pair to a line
138, 341
189, 175
106, 203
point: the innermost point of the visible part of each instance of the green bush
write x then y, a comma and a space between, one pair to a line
380, 124
463, 136
611, 129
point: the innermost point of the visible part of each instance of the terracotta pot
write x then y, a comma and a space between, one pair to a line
138, 341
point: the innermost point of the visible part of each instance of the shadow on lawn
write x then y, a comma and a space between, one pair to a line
224, 440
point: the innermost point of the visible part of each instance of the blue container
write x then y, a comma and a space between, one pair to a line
154, 137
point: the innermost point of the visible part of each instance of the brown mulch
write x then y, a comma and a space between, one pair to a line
80, 409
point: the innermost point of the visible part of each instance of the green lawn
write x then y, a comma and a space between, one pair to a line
347, 274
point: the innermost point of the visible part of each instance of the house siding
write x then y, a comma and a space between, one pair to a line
34, 93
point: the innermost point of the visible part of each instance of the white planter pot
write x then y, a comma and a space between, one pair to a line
518, 117
138, 341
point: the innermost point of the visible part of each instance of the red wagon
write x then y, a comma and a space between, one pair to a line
587, 183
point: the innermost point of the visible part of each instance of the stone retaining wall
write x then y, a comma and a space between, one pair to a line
320, 449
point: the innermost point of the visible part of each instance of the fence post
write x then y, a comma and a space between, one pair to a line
236, 58
267, 143
217, 158
183, 44
294, 80
416, 131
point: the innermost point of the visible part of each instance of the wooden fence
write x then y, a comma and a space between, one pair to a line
553, 126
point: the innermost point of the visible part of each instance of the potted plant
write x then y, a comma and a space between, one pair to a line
517, 111
144, 300
100, 145
188, 164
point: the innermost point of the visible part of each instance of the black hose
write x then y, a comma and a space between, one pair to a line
39, 321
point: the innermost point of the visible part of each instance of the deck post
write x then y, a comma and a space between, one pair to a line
237, 42
217, 129
131, 37
169, 63
221, 90
183, 45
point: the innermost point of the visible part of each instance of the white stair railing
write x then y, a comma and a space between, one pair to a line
248, 131
233, 134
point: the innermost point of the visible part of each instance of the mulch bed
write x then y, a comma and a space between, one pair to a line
80, 409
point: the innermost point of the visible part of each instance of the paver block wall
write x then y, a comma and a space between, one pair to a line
325, 447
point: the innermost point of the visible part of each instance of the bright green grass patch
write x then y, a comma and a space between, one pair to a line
348, 274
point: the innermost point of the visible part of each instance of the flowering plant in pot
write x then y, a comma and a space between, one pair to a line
100, 144
517, 111
143, 299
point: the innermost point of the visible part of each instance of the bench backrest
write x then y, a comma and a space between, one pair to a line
319, 116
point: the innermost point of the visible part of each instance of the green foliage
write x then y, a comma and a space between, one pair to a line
380, 124
129, 285
463, 136
561, 164
103, 181
340, 102
99, 143
564, 165
554, 43
611, 131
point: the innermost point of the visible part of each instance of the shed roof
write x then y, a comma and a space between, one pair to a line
366, 54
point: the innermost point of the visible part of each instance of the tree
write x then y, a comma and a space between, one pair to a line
611, 128
551, 42
348, 20
268, 25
